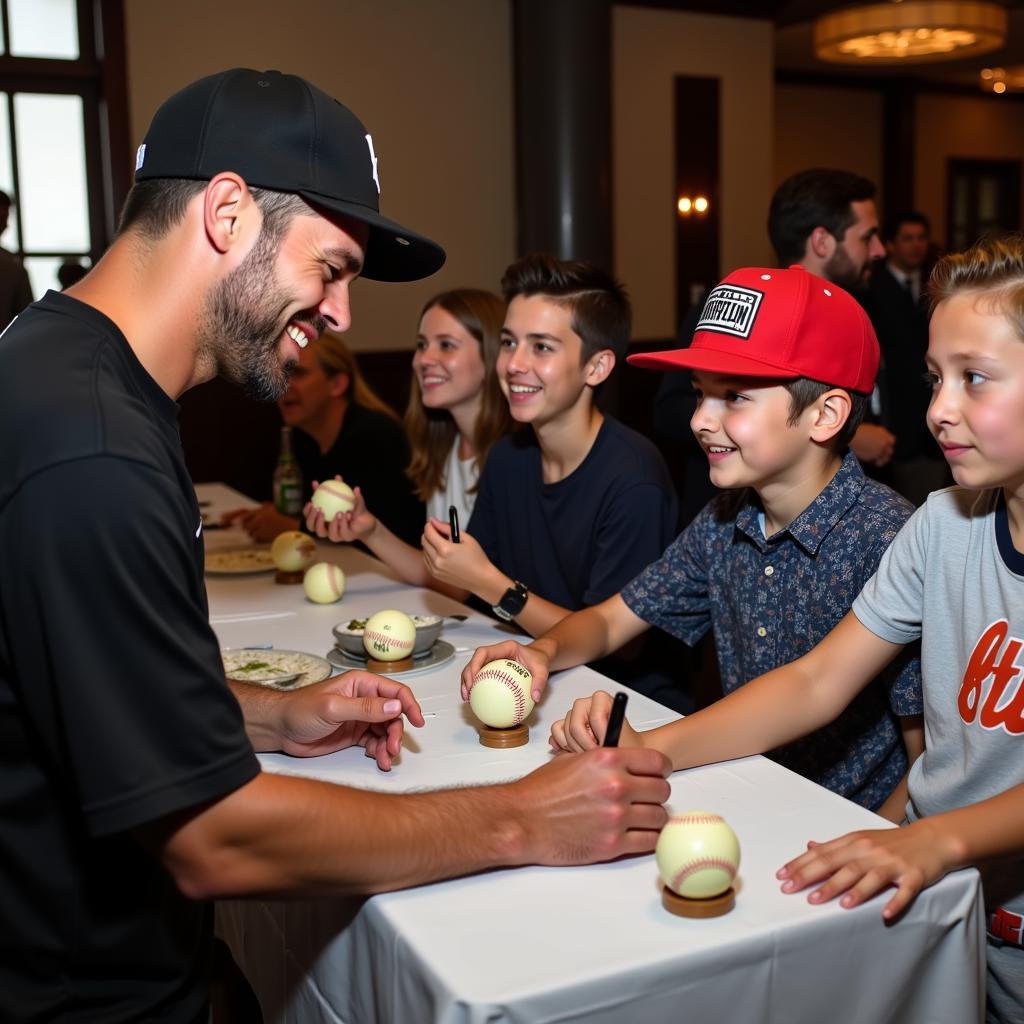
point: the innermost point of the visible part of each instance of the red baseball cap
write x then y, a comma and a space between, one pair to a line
779, 324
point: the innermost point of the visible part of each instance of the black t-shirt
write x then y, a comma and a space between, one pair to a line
371, 451
114, 711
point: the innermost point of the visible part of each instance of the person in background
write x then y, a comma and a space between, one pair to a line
897, 303
15, 289
456, 412
70, 272
340, 428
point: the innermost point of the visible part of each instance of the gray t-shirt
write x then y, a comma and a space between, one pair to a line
953, 579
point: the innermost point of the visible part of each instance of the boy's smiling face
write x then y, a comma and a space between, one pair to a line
976, 365
539, 364
742, 423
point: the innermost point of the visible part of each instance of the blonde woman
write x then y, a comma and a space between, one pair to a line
341, 428
456, 412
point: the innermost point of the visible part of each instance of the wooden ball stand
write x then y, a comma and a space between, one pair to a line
502, 739
685, 906
288, 577
373, 665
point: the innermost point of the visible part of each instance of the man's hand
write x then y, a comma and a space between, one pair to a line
861, 864
873, 444
462, 565
580, 810
262, 524
354, 709
583, 728
356, 524
530, 657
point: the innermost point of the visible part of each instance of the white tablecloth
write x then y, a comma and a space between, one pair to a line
578, 944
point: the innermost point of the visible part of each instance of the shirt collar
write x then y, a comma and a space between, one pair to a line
814, 524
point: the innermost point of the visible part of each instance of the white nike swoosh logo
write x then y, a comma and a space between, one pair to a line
199, 528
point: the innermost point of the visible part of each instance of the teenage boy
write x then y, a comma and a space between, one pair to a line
783, 363
570, 511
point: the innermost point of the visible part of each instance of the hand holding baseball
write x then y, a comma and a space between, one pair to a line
580, 810
354, 709
346, 527
861, 864
534, 660
583, 728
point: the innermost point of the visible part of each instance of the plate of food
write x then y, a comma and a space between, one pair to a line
284, 670
236, 561
439, 654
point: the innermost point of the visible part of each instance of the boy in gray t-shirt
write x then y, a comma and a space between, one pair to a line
953, 578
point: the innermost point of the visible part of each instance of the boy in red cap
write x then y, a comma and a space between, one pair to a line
783, 365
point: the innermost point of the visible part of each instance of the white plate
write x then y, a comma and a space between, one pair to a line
285, 670
235, 561
440, 654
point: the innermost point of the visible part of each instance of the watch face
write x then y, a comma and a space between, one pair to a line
512, 602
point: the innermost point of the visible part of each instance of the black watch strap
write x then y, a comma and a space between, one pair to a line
512, 602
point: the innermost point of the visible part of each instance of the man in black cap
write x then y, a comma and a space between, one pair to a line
129, 790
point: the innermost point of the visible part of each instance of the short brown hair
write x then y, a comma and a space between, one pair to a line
994, 266
804, 392
601, 311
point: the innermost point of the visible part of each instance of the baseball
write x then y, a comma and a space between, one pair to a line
697, 854
293, 551
324, 583
333, 497
389, 636
500, 696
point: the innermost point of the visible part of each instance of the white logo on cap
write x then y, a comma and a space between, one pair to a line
140, 156
373, 162
730, 309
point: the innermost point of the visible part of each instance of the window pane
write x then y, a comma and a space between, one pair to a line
43, 28
51, 169
8, 236
42, 273
3, 41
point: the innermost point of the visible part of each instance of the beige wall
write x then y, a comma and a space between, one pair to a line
651, 47
431, 81
960, 126
819, 127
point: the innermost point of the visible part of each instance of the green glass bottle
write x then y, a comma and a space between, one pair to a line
287, 479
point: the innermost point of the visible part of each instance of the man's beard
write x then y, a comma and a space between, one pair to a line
840, 270
242, 322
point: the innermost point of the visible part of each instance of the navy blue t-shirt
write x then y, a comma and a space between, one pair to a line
580, 540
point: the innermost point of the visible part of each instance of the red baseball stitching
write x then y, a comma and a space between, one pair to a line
699, 865
512, 684
697, 819
332, 579
385, 638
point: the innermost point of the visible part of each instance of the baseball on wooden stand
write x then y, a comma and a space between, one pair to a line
324, 583
389, 636
293, 552
501, 700
333, 497
698, 856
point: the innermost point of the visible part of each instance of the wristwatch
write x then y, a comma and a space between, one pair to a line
512, 602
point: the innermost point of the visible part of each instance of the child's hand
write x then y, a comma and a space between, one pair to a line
528, 656
462, 565
861, 864
585, 725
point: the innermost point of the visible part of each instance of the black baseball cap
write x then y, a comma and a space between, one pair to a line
280, 132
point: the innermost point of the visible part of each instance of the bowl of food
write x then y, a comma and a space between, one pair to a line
348, 636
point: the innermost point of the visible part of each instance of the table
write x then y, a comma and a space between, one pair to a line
578, 944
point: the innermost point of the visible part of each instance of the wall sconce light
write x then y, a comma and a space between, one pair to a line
687, 206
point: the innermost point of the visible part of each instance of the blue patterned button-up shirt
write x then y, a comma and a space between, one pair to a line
769, 601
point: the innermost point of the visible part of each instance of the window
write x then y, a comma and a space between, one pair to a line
63, 113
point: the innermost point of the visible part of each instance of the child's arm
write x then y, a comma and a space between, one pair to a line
895, 807
861, 864
780, 706
576, 639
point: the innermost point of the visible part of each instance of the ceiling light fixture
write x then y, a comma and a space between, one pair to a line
911, 32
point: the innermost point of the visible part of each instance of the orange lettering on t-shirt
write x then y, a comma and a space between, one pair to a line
990, 660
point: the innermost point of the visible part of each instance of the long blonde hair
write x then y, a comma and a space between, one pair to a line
432, 432
335, 357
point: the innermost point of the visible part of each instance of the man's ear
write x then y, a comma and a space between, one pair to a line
338, 385
599, 367
230, 213
829, 414
821, 243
